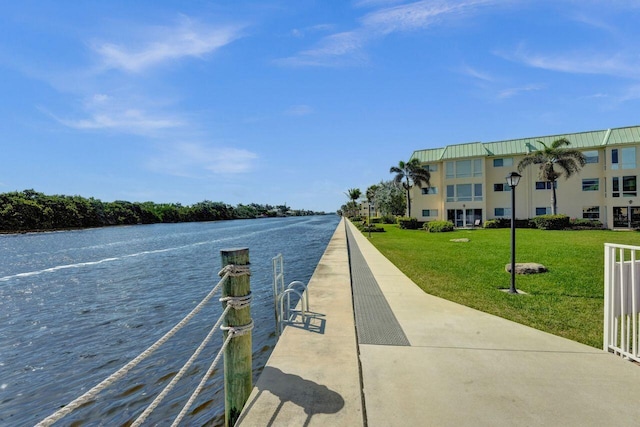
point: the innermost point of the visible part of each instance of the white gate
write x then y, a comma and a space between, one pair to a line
622, 300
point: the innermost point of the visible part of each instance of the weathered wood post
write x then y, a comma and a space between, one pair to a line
237, 355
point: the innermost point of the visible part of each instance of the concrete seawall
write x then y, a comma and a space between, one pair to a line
313, 377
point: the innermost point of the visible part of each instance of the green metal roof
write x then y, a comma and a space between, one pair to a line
580, 140
426, 156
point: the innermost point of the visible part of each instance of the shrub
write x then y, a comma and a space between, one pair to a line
408, 223
439, 226
370, 228
552, 222
388, 219
376, 220
581, 223
492, 223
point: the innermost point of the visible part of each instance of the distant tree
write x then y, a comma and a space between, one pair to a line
352, 206
409, 174
568, 161
390, 199
371, 195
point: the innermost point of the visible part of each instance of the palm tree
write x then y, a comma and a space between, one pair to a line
568, 161
409, 174
353, 194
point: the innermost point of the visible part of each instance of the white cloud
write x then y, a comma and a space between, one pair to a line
346, 47
472, 72
191, 159
511, 92
163, 44
122, 115
619, 64
299, 110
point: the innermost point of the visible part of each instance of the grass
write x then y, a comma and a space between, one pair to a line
566, 301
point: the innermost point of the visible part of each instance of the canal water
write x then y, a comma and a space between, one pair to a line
75, 306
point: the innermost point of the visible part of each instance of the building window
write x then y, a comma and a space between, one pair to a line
464, 192
629, 187
430, 212
542, 211
449, 166
591, 212
498, 163
477, 167
624, 158
628, 157
477, 192
463, 168
501, 187
430, 190
545, 185
502, 212
431, 168
591, 156
590, 184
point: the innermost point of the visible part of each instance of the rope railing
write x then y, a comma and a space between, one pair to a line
236, 303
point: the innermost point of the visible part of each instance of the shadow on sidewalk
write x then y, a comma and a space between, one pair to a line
312, 397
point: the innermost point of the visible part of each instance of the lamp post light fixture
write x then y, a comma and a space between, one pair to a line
512, 181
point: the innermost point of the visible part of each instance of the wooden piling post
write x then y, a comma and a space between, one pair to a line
237, 355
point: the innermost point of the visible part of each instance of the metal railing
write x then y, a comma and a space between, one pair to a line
622, 300
284, 313
236, 323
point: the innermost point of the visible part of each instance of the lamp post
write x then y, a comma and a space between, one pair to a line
512, 181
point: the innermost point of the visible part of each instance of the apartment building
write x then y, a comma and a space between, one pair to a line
468, 183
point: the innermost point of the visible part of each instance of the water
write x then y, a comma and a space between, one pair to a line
75, 306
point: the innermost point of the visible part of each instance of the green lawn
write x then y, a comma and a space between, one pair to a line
565, 301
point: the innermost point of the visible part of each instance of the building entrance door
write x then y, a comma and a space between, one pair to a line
464, 217
626, 216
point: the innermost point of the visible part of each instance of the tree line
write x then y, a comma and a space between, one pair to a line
30, 210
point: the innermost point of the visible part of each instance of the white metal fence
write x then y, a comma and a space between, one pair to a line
622, 300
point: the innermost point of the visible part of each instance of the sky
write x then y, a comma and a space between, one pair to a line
293, 102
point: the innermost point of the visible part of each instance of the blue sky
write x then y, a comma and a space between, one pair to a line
293, 101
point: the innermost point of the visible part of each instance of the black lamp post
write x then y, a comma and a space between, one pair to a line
512, 181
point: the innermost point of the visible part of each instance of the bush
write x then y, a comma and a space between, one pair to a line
408, 223
439, 226
492, 223
552, 222
376, 220
506, 223
388, 219
370, 228
580, 223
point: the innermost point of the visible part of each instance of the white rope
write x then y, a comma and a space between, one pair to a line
89, 395
236, 270
237, 303
237, 331
180, 373
204, 380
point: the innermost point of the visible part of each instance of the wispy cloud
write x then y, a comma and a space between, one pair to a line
511, 92
615, 64
347, 47
195, 160
102, 112
299, 110
158, 45
472, 72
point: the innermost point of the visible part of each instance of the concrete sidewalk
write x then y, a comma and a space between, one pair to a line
461, 367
